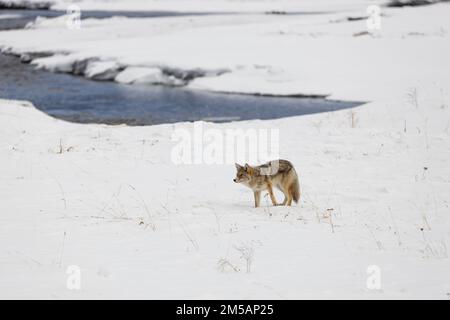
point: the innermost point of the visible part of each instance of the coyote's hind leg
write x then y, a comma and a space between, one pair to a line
290, 196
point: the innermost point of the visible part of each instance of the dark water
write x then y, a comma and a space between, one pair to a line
80, 100
25, 16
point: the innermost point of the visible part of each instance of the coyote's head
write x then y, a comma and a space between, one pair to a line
243, 174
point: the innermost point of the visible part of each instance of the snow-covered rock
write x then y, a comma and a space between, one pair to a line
145, 75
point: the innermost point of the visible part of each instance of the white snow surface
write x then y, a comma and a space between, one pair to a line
375, 179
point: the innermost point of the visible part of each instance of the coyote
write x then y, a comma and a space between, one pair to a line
278, 173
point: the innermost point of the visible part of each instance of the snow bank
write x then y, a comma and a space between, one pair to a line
9, 16
261, 54
102, 70
144, 76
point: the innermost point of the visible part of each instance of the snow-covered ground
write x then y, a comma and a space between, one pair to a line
375, 179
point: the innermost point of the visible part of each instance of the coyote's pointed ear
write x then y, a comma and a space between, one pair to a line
248, 168
238, 167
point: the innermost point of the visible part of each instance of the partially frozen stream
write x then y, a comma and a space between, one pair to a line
17, 19
78, 99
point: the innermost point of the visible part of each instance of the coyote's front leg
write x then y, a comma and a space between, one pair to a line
272, 196
257, 195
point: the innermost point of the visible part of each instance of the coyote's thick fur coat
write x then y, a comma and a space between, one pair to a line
278, 173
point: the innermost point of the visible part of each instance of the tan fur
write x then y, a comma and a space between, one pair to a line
278, 173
